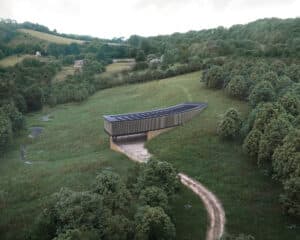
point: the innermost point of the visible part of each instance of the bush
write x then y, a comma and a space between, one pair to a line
262, 92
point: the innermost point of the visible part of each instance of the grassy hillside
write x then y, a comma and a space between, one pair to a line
74, 147
13, 60
50, 37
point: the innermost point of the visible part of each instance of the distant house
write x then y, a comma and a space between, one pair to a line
78, 64
38, 54
155, 62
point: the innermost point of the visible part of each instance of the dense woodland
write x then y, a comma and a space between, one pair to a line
258, 62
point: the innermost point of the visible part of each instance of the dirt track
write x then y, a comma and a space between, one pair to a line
212, 204
134, 148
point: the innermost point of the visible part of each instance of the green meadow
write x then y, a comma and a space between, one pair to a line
73, 148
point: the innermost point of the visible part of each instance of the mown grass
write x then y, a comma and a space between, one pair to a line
74, 147
50, 37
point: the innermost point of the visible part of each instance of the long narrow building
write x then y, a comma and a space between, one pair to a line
144, 122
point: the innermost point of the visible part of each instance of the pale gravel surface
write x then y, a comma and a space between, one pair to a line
134, 148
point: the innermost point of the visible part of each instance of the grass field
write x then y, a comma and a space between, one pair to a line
74, 147
63, 73
13, 60
116, 67
50, 37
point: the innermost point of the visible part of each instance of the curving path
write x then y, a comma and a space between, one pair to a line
135, 150
212, 204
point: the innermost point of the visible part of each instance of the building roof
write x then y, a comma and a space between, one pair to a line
155, 113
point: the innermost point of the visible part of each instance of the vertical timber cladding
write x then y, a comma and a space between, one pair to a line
132, 123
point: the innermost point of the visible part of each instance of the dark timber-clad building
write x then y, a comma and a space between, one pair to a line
144, 122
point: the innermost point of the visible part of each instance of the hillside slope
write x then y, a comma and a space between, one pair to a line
49, 37
73, 148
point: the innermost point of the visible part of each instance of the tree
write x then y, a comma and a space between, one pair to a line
265, 113
262, 92
290, 199
78, 209
237, 87
71, 215
273, 136
251, 143
118, 227
152, 223
272, 78
291, 103
160, 174
154, 197
5, 130
227, 236
16, 118
293, 72
214, 77
78, 234
230, 124
115, 195
286, 161
140, 56
34, 97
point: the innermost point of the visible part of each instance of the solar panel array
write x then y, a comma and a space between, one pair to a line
155, 113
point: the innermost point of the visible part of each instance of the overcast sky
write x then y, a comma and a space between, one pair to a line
116, 18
